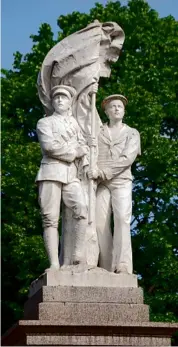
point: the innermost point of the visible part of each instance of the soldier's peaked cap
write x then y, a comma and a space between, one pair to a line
63, 89
114, 97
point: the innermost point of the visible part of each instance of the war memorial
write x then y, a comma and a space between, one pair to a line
88, 296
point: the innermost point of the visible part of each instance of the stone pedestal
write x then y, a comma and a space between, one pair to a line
66, 308
83, 276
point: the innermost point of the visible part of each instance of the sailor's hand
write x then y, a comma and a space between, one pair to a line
93, 174
92, 142
107, 174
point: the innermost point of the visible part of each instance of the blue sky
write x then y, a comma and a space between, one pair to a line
21, 18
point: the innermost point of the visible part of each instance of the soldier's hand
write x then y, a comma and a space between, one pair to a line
93, 174
94, 88
92, 142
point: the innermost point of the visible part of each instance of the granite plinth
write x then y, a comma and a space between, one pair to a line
92, 297
79, 276
111, 314
92, 313
92, 340
51, 333
89, 294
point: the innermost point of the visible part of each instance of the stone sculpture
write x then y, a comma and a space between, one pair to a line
71, 71
118, 147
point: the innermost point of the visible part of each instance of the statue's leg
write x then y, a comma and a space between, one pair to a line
103, 221
49, 200
121, 191
74, 198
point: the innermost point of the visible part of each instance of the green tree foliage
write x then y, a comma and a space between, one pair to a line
147, 74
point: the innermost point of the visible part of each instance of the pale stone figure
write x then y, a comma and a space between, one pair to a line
118, 147
63, 152
79, 60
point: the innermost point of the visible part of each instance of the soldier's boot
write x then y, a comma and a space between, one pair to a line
51, 241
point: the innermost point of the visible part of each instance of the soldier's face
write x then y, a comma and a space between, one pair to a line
115, 110
61, 103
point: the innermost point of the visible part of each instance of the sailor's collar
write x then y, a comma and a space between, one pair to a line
105, 131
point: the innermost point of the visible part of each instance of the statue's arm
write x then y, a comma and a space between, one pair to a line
130, 152
52, 147
126, 158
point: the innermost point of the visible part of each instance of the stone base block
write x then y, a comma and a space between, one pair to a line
92, 313
78, 276
90, 294
64, 294
68, 340
51, 333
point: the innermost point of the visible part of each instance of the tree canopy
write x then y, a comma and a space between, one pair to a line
147, 74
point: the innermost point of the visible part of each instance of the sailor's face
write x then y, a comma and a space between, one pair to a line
115, 110
61, 103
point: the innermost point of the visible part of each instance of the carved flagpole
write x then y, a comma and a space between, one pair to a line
92, 154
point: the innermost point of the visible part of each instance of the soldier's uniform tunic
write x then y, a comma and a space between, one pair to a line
59, 136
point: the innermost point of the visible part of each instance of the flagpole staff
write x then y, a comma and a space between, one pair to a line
92, 156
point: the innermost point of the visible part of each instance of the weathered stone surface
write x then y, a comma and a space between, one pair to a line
93, 313
79, 276
93, 340
93, 294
